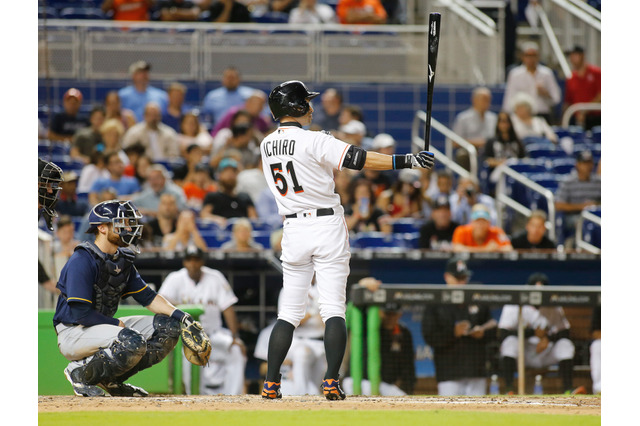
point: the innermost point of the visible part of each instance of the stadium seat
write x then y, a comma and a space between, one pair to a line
411, 239
271, 18
527, 165
81, 13
537, 140
374, 240
207, 225
595, 134
405, 225
215, 239
262, 237
47, 12
545, 152
563, 166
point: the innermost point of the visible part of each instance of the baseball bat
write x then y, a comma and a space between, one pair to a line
432, 58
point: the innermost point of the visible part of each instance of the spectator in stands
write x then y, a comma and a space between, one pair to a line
241, 136
254, 105
384, 143
534, 237
186, 234
312, 12
217, 102
396, 350
175, 106
133, 153
66, 123
479, 235
165, 221
353, 132
466, 196
396, 11
193, 133
113, 109
229, 11
404, 198
361, 12
579, 190
547, 339
68, 202
159, 140
251, 179
534, 79
141, 170
136, 96
64, 242
526, 124
443, 186
595, 350
437, 233
267, 209
362, 214
475, 124
196, 283
112, 132
582, 86
241, 238
179, 10
184, 173
327, 116
227, 202
96, 169
124, 186
86, 140
283, 6
459, 335
158, 182
128, 10
197, 188
504, 145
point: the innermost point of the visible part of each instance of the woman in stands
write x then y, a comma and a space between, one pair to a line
505, 144
404, 198
526, 124
362, 214
191, 132
113, 109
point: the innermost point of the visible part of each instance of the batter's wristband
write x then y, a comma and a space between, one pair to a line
401, 162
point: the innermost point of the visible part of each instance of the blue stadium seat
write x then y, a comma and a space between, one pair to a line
595, 134
537, 140
377, 240
47, 12
215, 239
411, 239
81, 13
207, 225
404, 225
545, 152
527, 165
271, 18
563, 166
262, 237
591, 233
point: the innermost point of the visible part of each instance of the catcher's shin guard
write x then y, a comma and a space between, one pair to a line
129, 347
162, 341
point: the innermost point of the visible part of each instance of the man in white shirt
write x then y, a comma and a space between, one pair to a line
198, 284
534, 79
160, 141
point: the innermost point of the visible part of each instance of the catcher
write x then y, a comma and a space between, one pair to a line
105, 351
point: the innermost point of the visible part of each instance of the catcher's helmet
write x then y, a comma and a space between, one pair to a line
49, 179
123, 215
290, 98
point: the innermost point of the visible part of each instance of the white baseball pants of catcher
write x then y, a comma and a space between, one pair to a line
225, 372
555, 352
78, 342
320, 245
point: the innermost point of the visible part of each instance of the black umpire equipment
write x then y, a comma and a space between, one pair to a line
290, 98
49, 179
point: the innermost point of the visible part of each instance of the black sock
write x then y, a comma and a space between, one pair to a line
279, 344
335, 343
565, 368
508, 370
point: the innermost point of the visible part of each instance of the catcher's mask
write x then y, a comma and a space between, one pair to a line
125, 218
49, 179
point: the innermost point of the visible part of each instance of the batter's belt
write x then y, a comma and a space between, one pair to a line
319, 212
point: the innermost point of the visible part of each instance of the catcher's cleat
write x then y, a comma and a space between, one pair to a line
123, 389
332, 390
79, 388
271, 390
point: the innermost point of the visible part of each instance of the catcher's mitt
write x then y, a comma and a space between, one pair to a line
196, 343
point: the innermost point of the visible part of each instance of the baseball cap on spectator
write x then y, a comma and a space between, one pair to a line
227, 162
441, 201
354, 127
194, 252
480, 211
383, 140
457, 267
410, 176
139, 66
73, 93
69, 176
538, 278
584, 156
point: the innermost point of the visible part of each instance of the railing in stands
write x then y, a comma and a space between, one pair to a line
583, 106
587, 215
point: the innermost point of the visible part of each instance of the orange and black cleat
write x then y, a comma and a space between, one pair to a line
332, 390
271, 390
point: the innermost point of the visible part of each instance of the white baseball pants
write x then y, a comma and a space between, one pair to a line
469, 387
555, 352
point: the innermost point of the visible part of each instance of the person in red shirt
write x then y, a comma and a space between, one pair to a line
128, 10
478, 235
361, 12
583, 86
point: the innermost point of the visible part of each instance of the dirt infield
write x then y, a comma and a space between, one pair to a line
585, 405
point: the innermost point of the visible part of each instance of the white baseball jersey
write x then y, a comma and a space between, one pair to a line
298, 165
549, 317
213, 292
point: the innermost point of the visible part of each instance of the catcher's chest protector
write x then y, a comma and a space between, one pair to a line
113, 274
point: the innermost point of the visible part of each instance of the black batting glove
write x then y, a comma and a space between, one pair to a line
423, 159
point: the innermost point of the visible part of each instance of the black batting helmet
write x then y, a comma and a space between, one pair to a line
290, 98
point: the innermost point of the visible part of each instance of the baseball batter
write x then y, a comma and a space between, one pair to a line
298, 165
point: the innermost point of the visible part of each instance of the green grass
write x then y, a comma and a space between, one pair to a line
313, 418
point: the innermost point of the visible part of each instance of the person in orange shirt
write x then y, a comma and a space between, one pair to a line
128, 10
361, 12
478, 235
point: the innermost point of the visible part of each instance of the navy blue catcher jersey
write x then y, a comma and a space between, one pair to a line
76, 285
